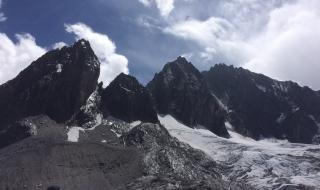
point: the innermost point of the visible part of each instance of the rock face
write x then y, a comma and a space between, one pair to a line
57, 84
259, 106
128, 100
167, 162
179, 90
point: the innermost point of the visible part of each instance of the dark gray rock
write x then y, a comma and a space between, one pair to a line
170, 164
29, 127
125, 98
261, 107
180, 90
57, 84
47, 160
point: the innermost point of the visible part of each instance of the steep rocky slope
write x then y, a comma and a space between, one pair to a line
259, 106
180, 90
125, 98
57, 84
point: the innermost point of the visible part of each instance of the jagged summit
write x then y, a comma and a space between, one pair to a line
57, 84
56, 119
125, 98
182, 70
180, 90
261, 107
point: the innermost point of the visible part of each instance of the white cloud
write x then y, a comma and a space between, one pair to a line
112, 63
59, 45
289, 46
14, 57
281, 40
2, 17
215, 35
164, 6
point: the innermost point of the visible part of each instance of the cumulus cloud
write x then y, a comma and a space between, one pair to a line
289, 46
281, 40
112, 63
14, 57
215, 35
164, 6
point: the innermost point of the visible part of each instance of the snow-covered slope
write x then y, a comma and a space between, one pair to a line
265, 164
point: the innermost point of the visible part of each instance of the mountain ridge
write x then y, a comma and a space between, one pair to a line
87, 136
264, 107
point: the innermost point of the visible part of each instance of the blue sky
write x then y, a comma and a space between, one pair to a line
279, 38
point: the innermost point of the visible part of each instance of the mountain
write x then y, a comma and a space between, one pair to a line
57, 85
180, 90
125, 98
60, 129
261, 107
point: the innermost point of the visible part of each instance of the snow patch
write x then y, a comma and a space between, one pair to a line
125, 89
221, 104
115, 132
168, 76
228, 125
98, 121
59, 68
294, 110
135, 123
262, 88
74, 133
280, 86
314, 120
281, 118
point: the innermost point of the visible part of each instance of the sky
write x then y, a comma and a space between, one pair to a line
279, 38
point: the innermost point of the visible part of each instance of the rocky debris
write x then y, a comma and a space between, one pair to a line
28, 127
261, 107
126, 99
77, 166
57, 84
180, 90
90, 114
176, 165
48, 160
144, 157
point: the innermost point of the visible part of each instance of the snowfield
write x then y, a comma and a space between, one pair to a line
265, 164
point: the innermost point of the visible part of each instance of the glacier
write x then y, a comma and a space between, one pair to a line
264, 164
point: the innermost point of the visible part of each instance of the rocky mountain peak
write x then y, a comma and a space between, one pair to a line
180, 90
261, 107
57, 84
181, 71
125, 98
